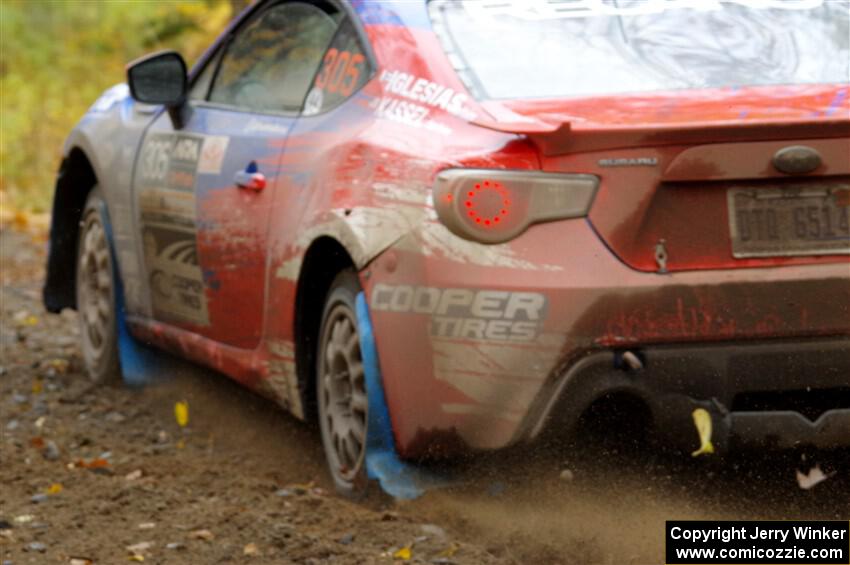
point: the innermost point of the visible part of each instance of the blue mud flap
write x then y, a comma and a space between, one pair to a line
139, 364
398, 478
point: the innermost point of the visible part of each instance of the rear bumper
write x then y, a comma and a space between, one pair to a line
474, 341
767, 395
789, 429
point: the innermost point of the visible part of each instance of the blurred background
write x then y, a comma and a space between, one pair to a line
57, 56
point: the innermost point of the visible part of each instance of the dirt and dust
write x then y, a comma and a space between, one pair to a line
106, 474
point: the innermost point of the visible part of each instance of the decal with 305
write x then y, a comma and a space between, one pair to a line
168, 165
340, 71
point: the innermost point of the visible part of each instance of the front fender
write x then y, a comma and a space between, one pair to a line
100, 150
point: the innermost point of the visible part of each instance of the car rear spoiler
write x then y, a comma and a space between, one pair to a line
560, 138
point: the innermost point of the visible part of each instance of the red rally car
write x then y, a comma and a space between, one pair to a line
462, 223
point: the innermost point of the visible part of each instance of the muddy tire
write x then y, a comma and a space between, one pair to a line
341, 388
96, 289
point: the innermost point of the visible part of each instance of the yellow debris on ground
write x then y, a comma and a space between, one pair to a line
702, 421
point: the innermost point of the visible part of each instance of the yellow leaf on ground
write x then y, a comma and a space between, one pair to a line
449, 551
21, 219
404, 553
55, 488
205, 535
181, 413
30, 321
250, 549
702, 422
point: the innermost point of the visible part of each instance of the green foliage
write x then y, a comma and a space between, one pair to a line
57, 56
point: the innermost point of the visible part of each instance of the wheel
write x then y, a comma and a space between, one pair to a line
96, 295
341, 388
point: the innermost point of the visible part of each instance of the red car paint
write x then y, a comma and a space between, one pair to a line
365, 180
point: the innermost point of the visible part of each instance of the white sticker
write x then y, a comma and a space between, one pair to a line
424, 91
313, 104
212, 154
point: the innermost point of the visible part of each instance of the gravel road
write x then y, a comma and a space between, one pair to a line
106, 475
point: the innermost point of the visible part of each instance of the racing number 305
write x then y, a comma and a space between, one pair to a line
340, 71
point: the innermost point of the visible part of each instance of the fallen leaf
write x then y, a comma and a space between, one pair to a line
37, 442
37, 386
140, 547
814, 477
403, 554
96, 463
205, 535
133, 475
21, 219
55, 488
449, 551
24, 318
181, 413
137, 557
302, 488
250, 549
702, 422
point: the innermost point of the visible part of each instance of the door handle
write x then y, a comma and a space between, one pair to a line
250, 178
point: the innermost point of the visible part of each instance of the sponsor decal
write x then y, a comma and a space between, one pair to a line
462, 313
407, 113
401, 111
166, 183
410, 100
212, 154
426, 92
260, 125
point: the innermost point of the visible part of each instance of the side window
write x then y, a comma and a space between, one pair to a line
269, 64
345, 68
201, 87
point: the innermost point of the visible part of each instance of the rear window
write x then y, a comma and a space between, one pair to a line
574, 48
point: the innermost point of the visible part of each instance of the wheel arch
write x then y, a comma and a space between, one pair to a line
74, 182
324, 259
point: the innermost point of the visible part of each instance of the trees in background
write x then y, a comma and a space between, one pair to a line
57, 56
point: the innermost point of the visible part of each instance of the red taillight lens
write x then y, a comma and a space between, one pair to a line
487, 203
493, 206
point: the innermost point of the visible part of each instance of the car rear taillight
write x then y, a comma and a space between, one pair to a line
492, 206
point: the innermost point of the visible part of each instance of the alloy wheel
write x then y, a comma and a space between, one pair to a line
343, 404
96, 293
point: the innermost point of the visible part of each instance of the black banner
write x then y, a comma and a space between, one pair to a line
767, 542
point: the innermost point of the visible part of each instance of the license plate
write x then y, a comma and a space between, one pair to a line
792, 220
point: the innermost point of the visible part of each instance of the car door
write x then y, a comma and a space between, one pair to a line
204, 191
